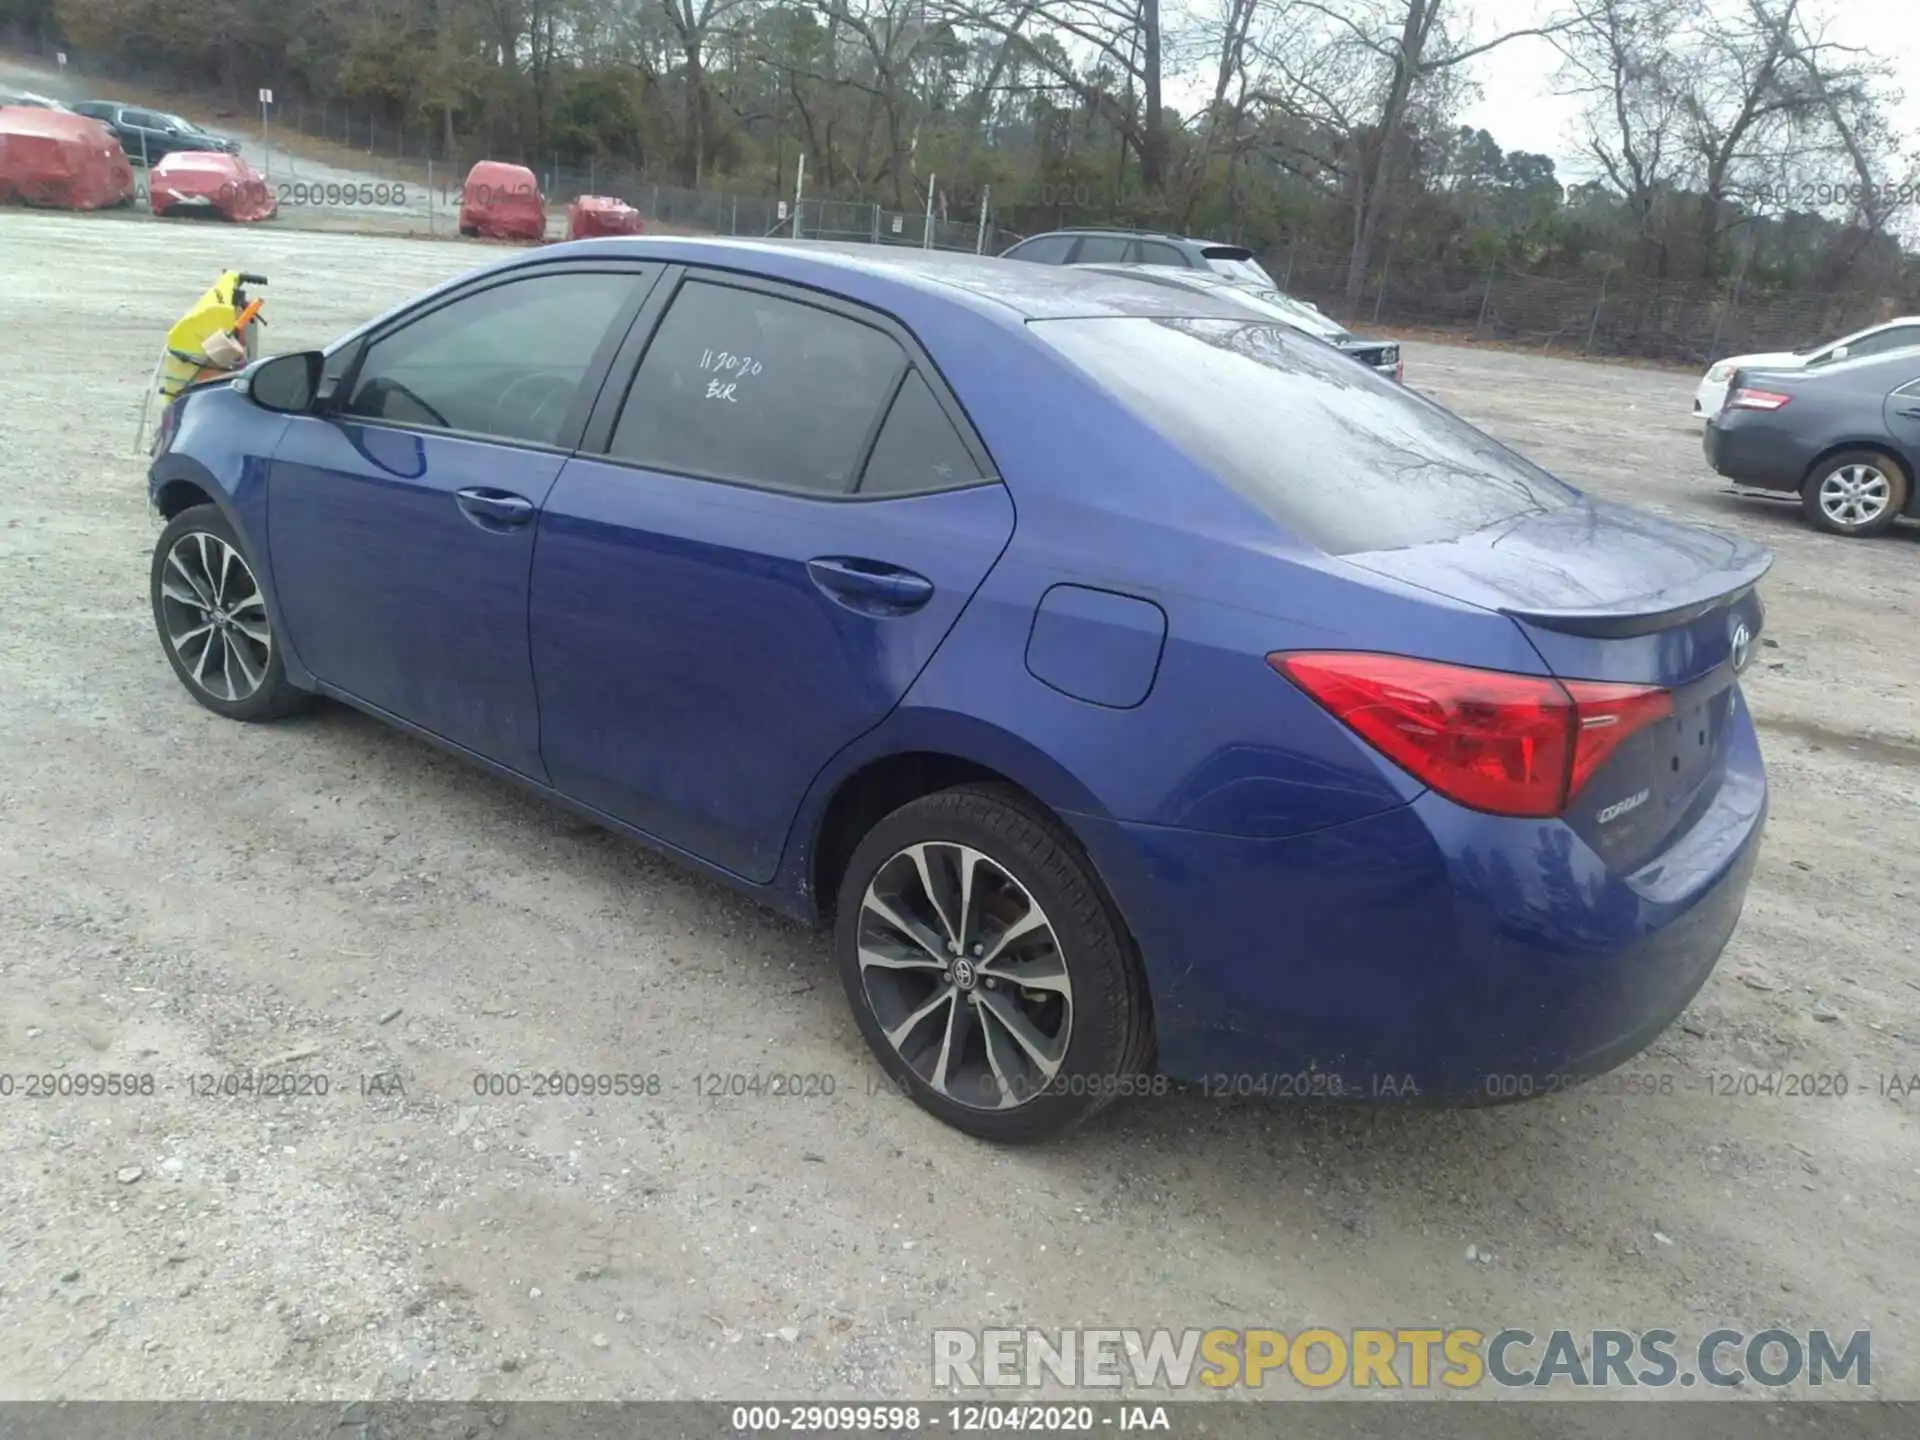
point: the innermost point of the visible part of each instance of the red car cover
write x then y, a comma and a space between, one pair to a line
502, 202
48, 157
209, 182
592, 215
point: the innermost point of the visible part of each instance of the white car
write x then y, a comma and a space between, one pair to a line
29, 100
1874, 340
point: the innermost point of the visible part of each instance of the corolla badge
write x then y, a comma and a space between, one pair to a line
1742, 646
1632, 802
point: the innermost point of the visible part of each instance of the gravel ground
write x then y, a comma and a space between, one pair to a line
186, 896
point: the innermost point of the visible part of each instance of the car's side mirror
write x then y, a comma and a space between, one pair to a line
286, 384
1839, 353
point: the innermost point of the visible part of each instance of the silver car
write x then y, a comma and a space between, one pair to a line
1267, 301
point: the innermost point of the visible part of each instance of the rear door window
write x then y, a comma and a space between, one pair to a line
1043, 249
1102, 250
1900, 337
742, 385
1345, 459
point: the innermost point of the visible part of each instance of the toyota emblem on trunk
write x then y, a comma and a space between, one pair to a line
1742, 646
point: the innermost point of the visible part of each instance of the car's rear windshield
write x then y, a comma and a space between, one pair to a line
1236, 263
1347, 460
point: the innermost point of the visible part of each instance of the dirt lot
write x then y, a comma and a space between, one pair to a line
186, 896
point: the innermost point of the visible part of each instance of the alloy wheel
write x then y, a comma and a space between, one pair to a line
1855, 495
965, 975
214, 617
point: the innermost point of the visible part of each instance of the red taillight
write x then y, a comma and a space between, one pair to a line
1745, 399
1506, 744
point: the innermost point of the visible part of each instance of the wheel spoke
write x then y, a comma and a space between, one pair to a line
911, 929
200, 668
183, 595
1046, 1054
1008, 1097
898, 1035
194, 634
200, 538
952, 1040
871, 958
220, 580
1028, 923
969, 866
236, 652
201, 597
919, 853
259, 634
1048, 973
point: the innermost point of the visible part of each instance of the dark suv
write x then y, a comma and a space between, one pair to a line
150, 135
1139, 247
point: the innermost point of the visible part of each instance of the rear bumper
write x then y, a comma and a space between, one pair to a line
1427, 953
1753, 455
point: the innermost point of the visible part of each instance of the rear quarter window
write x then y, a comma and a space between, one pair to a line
1345, 459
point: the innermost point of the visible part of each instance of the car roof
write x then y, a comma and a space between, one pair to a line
1178, 239
1877, 327
1170, 275
1031, 292
1906, 359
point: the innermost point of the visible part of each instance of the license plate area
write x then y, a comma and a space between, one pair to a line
1688, 743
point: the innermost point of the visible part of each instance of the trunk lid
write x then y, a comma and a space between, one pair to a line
1607, 593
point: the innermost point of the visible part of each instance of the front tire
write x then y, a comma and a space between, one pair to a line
213, 621
986, 969
1857, 493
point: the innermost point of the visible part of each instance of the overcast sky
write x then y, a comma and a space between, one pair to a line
1519, 109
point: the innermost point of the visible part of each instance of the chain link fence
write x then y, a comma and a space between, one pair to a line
1608, 314
334, 165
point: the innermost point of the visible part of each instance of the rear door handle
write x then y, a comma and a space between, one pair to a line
870, 586
495, 509
1912, 412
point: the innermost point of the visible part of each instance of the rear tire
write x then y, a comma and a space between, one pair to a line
213, 621
1857, 493
1036, 1017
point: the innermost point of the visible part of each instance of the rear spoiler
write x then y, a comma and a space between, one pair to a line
1643, 615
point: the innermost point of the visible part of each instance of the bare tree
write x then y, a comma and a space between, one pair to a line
1121, 37
1408, 47
694, 23
1619, 56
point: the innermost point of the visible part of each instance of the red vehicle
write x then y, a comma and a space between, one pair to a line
502, 202
593, 215
53, 157
209, 182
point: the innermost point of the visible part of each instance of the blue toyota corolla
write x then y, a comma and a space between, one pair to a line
1136, 688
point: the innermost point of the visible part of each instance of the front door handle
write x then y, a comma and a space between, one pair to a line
495, 509
1912, 412
870, 586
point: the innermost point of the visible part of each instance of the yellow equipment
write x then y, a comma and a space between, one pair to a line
219, 335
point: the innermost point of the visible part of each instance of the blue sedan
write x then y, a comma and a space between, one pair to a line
1138, 689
